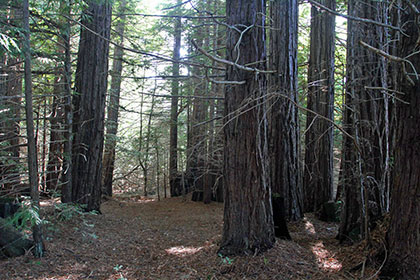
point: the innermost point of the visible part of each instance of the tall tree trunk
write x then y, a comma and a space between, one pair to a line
286, 172
89, 114
403, 234
197, 150
318, 169
364, 169
173, 142
32, 152
67, 170
113, 105
248, 216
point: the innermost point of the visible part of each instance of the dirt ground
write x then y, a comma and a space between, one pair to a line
176, 238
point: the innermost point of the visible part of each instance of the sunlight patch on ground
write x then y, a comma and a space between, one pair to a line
182, 251
309, 227
326, 260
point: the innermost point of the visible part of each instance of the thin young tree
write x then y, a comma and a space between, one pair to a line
67, 170
248, 220
89, 103
32, 152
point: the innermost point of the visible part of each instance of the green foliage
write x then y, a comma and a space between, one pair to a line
26, 217
117, 268
226, 260
67, 211
8, 45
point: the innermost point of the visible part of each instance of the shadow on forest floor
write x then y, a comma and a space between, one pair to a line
136, 238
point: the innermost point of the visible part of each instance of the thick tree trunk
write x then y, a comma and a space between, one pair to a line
173, 141
403, 234
248, 220
91, 87
365, 169
318, 169
113, 106
286, 175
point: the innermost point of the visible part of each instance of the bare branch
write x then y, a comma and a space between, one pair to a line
230, 63
316, 4
394, 58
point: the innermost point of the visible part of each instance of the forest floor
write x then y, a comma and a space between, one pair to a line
136, 238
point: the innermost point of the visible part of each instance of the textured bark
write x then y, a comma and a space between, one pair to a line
113, 106
286, 175
318, 170
403, 234
248, 221
89, 103
173, 137
365, 171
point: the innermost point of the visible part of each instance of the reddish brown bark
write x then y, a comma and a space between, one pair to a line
89, 102
248, 221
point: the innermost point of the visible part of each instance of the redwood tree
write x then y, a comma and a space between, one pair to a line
284, 147
403, 234
364, 168
173, 134
248, 223
89, 102
318, 170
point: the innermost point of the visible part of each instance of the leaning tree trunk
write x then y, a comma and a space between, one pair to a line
403, 234
248, 220
286, 172
89, 114
318, 170
113, 106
